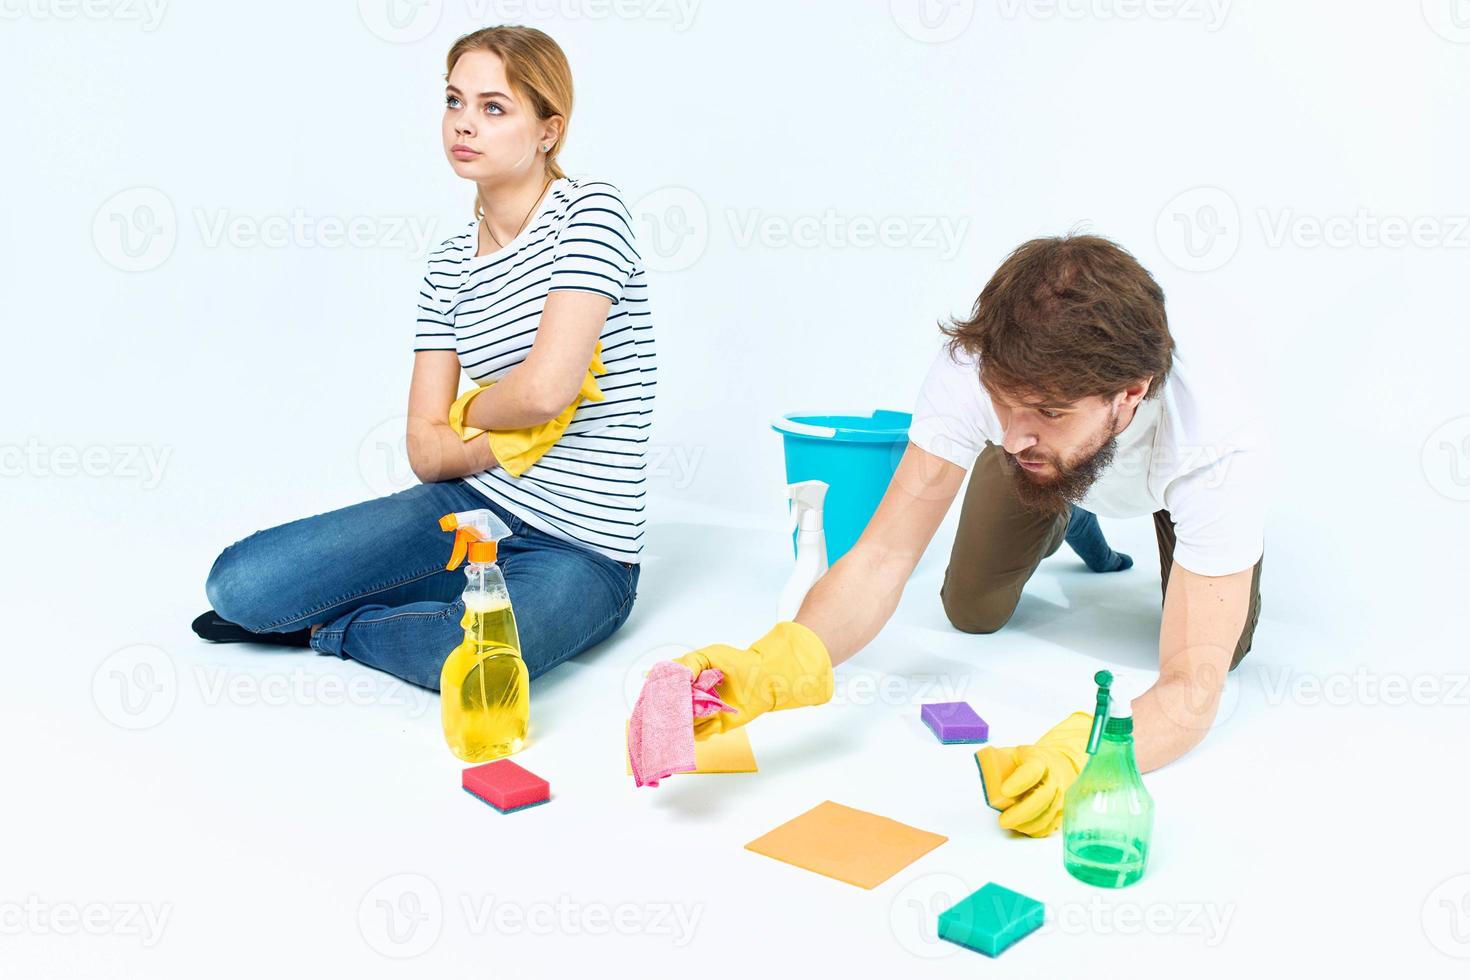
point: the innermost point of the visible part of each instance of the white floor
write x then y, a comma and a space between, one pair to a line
181, 369
178, 809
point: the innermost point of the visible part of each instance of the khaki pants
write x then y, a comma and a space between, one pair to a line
1000, 542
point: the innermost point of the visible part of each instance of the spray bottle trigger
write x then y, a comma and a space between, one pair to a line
803, 496
462, 538
473, 528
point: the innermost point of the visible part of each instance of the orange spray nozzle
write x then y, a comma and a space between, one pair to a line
475, 535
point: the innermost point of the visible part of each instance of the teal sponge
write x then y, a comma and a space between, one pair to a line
991, 919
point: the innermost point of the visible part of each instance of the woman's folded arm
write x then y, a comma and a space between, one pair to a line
545, 383
435, 451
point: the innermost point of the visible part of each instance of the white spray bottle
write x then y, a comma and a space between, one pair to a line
811, 545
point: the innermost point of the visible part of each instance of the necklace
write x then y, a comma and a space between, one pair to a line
486, 220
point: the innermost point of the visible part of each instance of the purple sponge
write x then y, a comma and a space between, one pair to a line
954, 722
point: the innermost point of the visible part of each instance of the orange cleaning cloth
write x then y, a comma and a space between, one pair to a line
854, 846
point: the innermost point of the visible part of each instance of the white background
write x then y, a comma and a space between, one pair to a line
191, 356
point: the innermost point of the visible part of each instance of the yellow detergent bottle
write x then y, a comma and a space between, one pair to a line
484, 687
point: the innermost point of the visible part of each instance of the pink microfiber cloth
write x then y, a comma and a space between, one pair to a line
661, 731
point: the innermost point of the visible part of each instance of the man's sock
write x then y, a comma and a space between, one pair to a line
212, 626
1085, 535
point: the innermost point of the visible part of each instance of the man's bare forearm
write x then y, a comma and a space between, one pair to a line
1171, 718
849, 605
436, 452
1203, 618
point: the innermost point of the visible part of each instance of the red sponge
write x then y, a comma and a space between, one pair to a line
506, 786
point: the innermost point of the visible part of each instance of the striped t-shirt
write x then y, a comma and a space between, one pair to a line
589, 487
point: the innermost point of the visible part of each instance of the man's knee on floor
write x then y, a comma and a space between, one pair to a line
983, 614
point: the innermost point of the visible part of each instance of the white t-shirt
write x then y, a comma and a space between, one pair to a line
1194, 450
589, 487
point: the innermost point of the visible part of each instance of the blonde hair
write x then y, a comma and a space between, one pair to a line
537, 70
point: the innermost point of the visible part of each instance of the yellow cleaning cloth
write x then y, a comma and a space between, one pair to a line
850, 845
517, 450
727, 752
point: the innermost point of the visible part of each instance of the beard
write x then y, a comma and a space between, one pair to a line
1055, 494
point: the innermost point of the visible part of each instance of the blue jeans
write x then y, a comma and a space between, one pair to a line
373, 576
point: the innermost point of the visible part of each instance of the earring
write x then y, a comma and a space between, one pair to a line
546, 148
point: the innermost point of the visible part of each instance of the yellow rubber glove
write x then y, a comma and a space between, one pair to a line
787, 668
1027, 783
517, 450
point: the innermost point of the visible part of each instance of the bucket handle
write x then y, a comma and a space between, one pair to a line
804, 429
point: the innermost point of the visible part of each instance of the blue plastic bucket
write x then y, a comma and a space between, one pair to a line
855, 455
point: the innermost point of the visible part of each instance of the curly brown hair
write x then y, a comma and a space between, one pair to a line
1066, 318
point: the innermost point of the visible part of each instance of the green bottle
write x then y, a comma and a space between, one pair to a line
1108, 816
